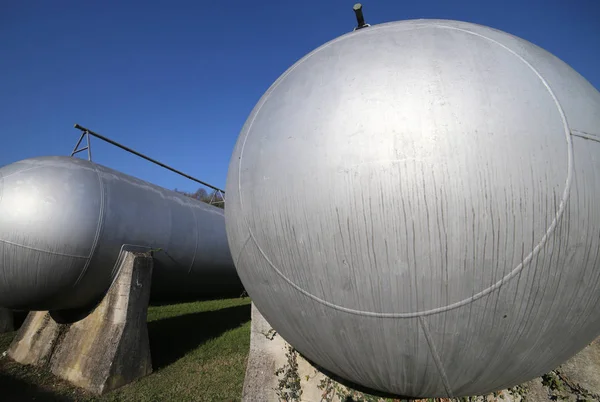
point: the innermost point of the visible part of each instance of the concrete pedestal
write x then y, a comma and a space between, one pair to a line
6, 320
105, 350
581, 374
275, 371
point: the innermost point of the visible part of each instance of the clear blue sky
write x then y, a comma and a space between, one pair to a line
176, 80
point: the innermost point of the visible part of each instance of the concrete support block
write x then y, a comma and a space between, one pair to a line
266, 353
35, 340
582, 372
271, 359
277, 372
6, 320
105, 350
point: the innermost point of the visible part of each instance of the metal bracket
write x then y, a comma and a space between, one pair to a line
217, 197
76, 150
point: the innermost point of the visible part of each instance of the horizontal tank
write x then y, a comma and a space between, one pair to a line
64, 222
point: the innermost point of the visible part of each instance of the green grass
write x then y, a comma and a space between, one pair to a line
199, 352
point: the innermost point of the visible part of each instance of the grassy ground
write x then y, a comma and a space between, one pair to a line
199, 353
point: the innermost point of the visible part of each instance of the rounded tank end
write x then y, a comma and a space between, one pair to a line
49, 217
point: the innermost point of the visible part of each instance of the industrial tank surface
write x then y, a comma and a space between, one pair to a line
413, 207
64, 222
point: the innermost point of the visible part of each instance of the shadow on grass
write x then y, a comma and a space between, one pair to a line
15, 389
169, 299
171, 338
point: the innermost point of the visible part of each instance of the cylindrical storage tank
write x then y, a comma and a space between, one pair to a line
64, 222
414, 207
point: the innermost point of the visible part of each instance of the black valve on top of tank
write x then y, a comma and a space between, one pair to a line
360, 19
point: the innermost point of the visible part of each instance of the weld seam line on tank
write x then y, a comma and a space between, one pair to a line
22, 171
242, 250
42, 251
505, 279
118, 265
436, 357
120, 258
98, 226
196, 231
587, 136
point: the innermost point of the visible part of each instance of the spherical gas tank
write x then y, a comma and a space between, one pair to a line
414, 207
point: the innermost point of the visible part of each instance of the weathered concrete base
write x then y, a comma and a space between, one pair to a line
103, 351
269, 352
35, 340
6, 320
576, 380
581, 374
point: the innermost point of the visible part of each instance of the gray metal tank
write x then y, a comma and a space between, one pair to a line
64, 221
414, 207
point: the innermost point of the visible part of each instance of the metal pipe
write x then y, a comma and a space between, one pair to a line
360, 19
123, 147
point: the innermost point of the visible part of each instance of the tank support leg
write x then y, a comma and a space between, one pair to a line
106, 349
6, 320
271, 359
